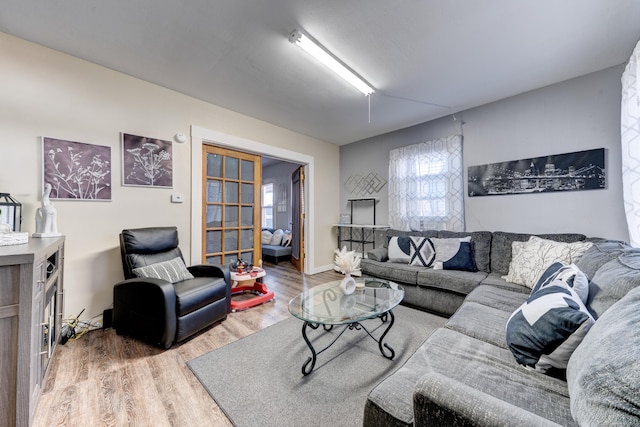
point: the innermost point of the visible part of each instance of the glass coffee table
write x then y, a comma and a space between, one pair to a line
325, 305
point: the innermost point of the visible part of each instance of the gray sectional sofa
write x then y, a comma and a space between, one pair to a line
464, 373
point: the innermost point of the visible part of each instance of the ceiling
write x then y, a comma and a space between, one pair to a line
427, 59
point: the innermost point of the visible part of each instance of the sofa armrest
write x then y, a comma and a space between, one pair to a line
378, 254
441, 401
145, 308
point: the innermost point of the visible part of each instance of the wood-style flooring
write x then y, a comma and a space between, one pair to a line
103, 379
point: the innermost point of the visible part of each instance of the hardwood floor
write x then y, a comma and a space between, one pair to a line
103, 379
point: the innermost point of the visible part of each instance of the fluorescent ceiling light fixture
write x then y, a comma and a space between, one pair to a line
321, 54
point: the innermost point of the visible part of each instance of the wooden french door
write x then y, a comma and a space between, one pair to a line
297, 219
231, 206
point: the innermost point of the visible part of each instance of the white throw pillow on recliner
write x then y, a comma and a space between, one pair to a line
276, 239
173, 271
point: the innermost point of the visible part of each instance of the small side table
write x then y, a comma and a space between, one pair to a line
249, 282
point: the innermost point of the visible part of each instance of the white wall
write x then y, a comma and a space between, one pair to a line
47, 93
579, 114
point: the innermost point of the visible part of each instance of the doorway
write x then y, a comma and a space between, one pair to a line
201, 136
283, 207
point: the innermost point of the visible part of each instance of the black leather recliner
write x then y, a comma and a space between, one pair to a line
158, 311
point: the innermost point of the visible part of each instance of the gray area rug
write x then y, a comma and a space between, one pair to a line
257, 381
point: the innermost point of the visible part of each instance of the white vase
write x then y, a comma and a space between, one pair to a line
348, 284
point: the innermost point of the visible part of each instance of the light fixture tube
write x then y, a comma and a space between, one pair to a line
312, 48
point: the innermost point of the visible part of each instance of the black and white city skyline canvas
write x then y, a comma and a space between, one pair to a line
581, 170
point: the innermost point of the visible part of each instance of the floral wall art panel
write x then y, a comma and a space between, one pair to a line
146, 162
76, 170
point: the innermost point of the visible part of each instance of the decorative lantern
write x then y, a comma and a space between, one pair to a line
10, 211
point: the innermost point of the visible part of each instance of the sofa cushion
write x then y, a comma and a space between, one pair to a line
193, 294
276, 250
487, 370
401, 273
498, 281
538, 254
501, 246
423, 252
480, 321
172, 271
502, 299
603, 374
481, 245
399, 249
613, 280
599, 254
544, 331
458, 281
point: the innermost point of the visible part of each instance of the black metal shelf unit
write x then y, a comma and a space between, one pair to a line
359, 234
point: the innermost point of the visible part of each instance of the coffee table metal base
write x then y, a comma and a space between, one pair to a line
385, 348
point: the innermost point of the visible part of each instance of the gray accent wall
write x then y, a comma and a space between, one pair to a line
575, 115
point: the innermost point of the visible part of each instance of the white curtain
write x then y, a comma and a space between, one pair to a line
426, 189
630, 133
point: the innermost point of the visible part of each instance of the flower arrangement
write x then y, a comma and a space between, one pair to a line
347, 261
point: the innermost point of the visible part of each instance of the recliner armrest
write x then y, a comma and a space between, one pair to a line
149, 301
209, 270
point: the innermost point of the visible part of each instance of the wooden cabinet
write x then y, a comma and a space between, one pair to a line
31, 309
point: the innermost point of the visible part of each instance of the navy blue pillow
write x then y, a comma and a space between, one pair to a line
464, 259
454, 254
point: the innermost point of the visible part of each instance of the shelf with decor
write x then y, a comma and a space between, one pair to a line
360, 235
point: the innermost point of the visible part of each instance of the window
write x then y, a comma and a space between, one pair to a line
426, 186
267, 205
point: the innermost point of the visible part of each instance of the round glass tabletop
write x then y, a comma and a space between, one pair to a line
326, 304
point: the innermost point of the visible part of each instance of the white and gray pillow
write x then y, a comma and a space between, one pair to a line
172, 271
529, 262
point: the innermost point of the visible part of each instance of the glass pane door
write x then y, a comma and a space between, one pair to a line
231, 206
